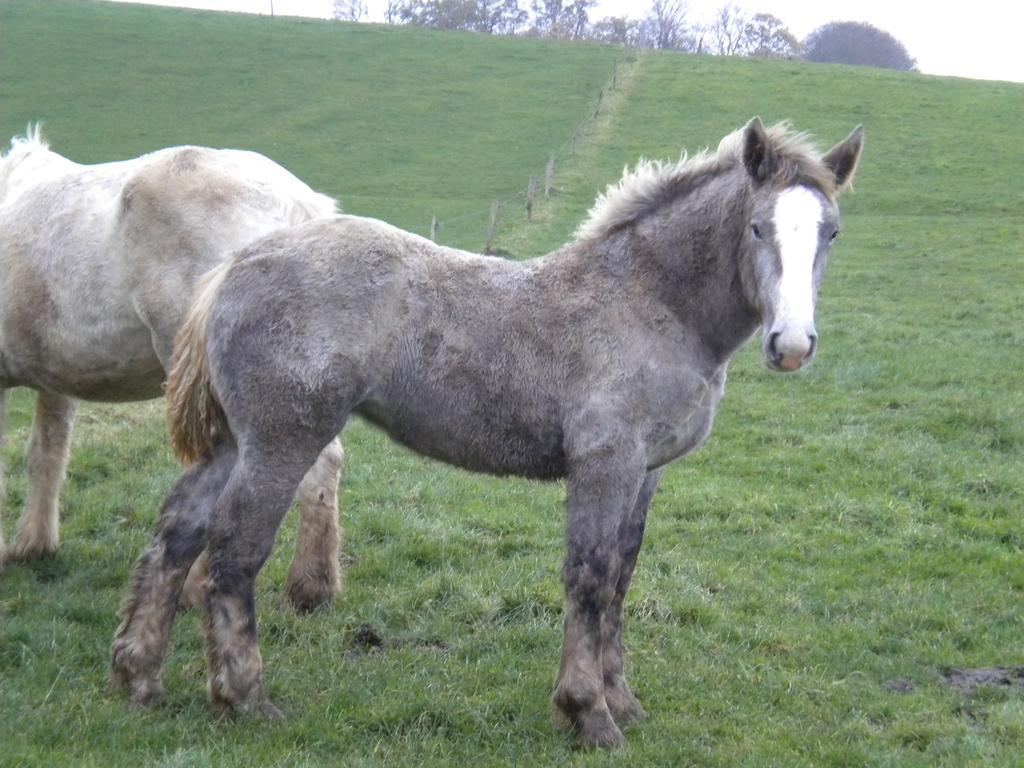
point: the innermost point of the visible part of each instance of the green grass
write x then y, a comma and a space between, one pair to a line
401, 127
856, 524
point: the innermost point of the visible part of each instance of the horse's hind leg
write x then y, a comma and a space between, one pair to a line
49, 448
241, 536
314, 578
622, 704
148, 613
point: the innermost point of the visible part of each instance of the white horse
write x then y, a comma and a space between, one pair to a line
97, 269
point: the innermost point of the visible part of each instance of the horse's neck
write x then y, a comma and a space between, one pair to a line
686, 256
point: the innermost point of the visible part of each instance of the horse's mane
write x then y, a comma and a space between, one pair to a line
22, 147
652, 183
31, 141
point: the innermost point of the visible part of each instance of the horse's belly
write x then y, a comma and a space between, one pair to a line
142, 382
112, 370
490, 446
112, 384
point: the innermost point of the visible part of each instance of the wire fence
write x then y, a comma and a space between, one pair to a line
540, 185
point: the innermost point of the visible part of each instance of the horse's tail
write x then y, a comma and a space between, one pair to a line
194, 415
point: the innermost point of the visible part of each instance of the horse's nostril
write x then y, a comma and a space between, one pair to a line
789, 351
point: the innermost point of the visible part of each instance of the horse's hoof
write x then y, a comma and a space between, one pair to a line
144, 692
262, 708
623, 705
143, 688
307, 593
597, 730
26, 550
269, 711
146, 695
594, 727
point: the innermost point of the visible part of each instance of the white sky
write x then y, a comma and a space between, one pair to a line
979, 39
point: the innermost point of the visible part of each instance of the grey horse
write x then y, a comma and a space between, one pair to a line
600, 363
97, 268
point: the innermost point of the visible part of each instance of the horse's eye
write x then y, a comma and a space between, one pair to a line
755, 231
834, 236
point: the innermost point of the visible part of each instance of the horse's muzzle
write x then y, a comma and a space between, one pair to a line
789, 351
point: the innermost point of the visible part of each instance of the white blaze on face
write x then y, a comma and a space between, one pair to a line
798, 217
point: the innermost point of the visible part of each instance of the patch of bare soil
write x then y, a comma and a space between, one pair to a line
969, 680
367, 641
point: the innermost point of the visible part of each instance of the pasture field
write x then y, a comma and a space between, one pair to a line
400, 128
847, 537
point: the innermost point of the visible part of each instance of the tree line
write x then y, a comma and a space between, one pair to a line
665, 25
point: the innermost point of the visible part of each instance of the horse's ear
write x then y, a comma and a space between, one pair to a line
842, 159
758, 154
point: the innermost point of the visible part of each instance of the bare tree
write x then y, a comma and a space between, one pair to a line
665, 26
393, 11
501, 17
440, 14
349, 10
555, 18
576, 18
618, 30
489, 16
546, 17
727, 31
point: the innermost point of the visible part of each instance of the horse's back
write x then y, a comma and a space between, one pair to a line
100, 260
195, 202
237, 194
422, 340
495, 366
188, 209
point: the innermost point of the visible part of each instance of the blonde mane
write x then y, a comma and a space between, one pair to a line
652, 183
21, 147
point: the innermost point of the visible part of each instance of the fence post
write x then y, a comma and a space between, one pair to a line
531, 195
433, 228
492, 227
549, 176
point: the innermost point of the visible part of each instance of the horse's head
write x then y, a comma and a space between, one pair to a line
794, 219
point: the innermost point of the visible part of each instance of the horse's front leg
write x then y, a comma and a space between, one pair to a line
49, 448
621, 702
601, 495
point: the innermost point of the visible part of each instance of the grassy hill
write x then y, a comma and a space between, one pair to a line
846, 535
399, 127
